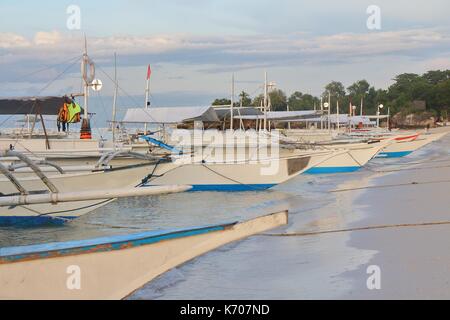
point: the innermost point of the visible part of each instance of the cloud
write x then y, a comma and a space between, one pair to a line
47, 38
219, 53
267, 46
13, 41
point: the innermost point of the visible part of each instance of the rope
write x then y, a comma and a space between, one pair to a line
390, 185
375, 227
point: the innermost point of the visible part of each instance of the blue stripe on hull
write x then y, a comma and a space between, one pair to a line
393, 154
31, 221
231, 187
103, 244
323, 170
227, 187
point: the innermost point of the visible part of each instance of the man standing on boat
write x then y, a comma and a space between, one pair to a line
68, 113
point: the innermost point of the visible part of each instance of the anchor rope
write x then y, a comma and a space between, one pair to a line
390, 185
373, 227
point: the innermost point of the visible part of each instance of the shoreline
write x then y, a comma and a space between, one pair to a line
413, 260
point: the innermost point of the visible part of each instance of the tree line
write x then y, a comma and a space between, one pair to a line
433, 87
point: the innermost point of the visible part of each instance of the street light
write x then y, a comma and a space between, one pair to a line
380, 106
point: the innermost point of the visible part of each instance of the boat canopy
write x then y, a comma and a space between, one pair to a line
48, 105
281, 115
225, 112
170, 115
342, 118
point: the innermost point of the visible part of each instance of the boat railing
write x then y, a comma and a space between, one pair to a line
14, 167
33, 166
7, 173
106, 158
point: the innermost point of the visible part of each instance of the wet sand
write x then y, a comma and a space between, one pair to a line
414, 261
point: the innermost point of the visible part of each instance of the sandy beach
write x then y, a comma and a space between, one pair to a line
414, 260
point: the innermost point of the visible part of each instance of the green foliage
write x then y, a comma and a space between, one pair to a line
299, 101
221, 102
245, 99
359, 88
335, 88
278, 100
433, 87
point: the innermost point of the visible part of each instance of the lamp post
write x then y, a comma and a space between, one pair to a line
380, 106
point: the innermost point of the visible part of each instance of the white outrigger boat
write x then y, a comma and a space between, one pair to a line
238, 175
405, 145
229, 160
356, 155
61, 197
113, 267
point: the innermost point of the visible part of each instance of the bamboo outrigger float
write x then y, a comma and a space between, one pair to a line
113, 267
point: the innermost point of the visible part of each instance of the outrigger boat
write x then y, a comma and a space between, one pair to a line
113, 267
356, 156
61, 197
216, 160
405, 145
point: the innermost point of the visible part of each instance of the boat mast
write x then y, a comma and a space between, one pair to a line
337, 115
86, 84
232, 102
321, 112
265, 100
85, 131
361, 108
147, 93
114, 101
329, 110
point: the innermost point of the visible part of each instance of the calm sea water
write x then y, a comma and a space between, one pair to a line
258, 267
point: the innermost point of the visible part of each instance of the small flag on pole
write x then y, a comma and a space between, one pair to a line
149, 72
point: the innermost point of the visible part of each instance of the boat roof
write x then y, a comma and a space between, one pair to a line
225, 112
281, 115
170, 115
342, 118
45, 105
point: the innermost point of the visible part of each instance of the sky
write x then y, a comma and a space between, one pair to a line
194, 46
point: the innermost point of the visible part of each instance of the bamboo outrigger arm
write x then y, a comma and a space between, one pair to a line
13, 179
40, 162
107, 157
33, 166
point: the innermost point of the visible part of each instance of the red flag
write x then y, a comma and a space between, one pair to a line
149, 72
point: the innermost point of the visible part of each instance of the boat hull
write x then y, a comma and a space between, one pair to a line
64, 211
113, 267
352, 160
402, 148
236, 176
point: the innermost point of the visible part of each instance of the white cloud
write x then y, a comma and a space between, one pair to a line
205, 55
48, 38
232, 50
11, 40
